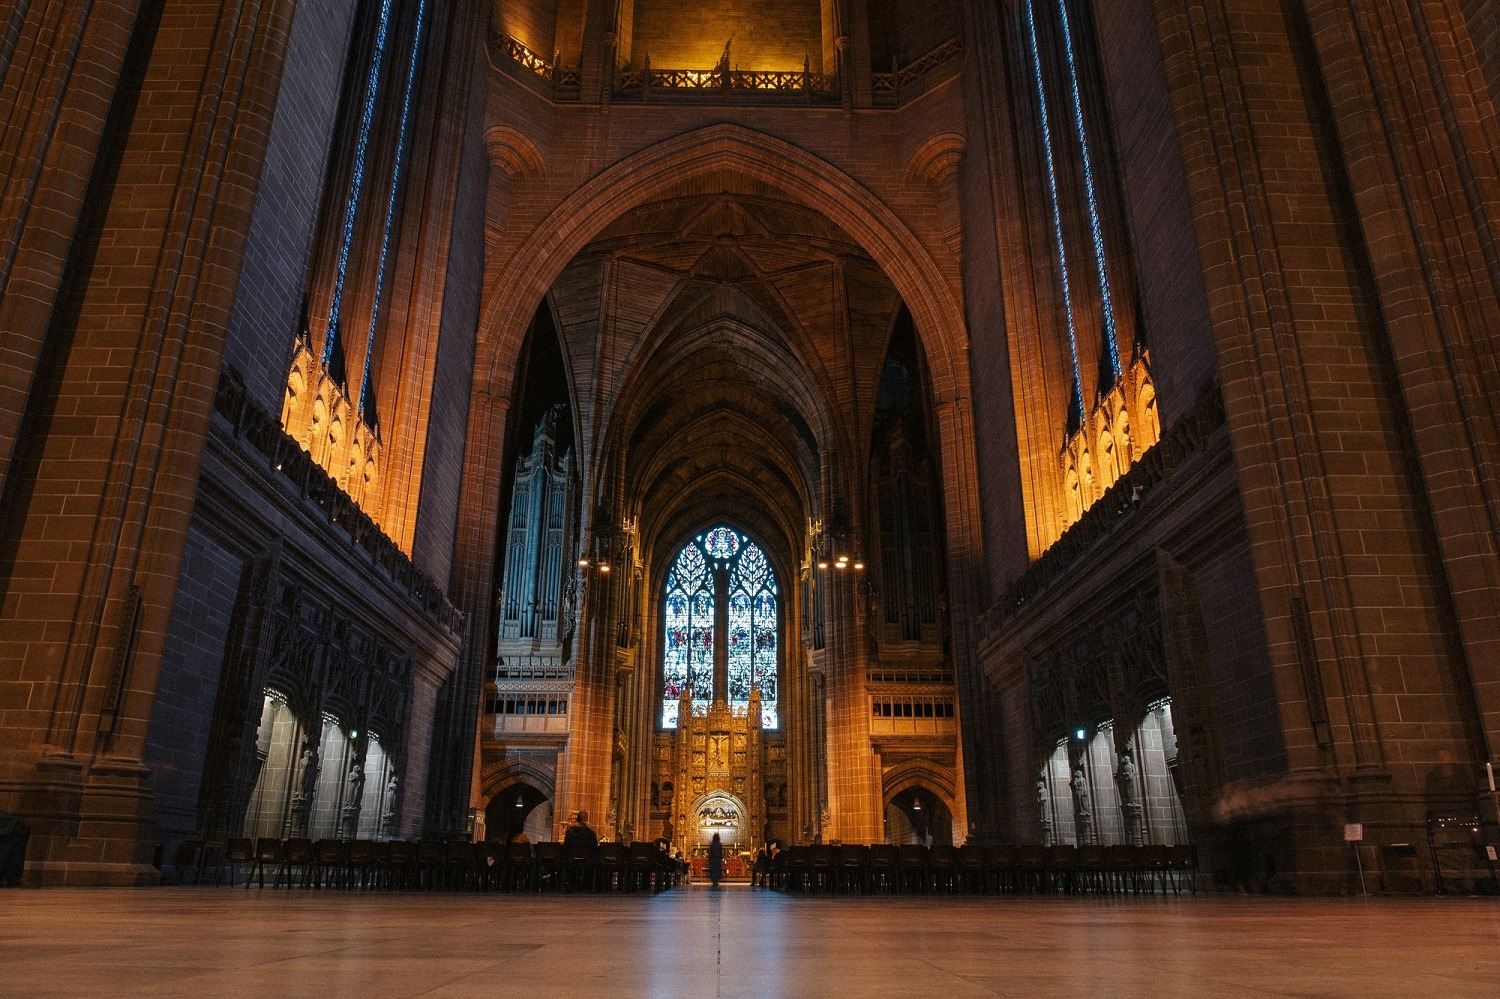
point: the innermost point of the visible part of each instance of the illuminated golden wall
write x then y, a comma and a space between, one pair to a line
767, 36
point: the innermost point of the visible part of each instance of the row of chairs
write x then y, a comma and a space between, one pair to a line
440, 865
977, 869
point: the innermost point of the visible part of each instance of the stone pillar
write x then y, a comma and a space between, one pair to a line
137, 355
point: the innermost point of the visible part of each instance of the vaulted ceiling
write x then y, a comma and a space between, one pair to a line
725, 347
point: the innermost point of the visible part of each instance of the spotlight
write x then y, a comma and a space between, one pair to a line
858, 565
1081, 735
603, 566
822, 565
583, 563
841, 565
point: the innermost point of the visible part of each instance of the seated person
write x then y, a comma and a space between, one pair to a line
580, 835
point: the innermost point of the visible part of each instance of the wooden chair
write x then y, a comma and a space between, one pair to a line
911, 860
884, 870
1182, 861
299, 854
401, 866
971, 863
520, 869
1120, 867
820, 866
359, 863
268, 853
609, 867
241, 850
1062, 867
853, 870
942, 867
1154, 867
1092, 869
326, 869
549, 866
1000, 867
431, 856
1031, 868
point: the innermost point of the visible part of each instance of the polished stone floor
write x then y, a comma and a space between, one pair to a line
696, 942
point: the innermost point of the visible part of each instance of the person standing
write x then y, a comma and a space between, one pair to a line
715, 860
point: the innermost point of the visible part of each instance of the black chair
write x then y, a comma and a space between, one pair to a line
942, 867
1092, 869
1182, 861
548, 866
241, 850
1062, 867
884, 872
1153, 861
971, 862
820, 865
912, 861
268, 853
1121, 867
402, 870
1000, 867
428, 870
490, 862
460, 864
330, 857
520, 869
853, 872
299, 855
796, 868
360, 863
609, 867
1031, 868
579, 866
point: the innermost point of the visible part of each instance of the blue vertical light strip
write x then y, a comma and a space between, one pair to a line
356, 181
1057, 230
390, 212
1095, 228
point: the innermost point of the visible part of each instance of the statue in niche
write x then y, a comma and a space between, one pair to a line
350, 811
1125, 778
308, 785
392, 807
1084, 817
1044, 810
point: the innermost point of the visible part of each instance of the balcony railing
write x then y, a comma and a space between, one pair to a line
1187, 437
285, 457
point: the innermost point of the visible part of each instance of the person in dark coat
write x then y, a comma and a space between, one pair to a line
580, 834
715, 860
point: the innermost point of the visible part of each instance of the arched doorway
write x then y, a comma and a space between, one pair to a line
519, 808
917, 815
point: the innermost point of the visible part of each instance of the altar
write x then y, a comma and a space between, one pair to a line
736, 868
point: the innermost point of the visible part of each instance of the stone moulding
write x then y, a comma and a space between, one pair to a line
1186, 438
284, 456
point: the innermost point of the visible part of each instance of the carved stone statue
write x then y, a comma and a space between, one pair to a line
307, 788
1044, 810
1125, 779
349, 817
1081, 813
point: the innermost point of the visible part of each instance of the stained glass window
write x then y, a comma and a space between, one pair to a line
751, 619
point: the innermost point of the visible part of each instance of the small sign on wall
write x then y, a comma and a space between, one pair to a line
1354, 832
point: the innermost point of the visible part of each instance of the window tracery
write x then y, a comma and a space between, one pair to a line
720, 564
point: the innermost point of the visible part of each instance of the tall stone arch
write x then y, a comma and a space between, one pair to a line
511, 300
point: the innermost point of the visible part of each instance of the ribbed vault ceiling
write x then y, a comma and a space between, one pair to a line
731, 337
